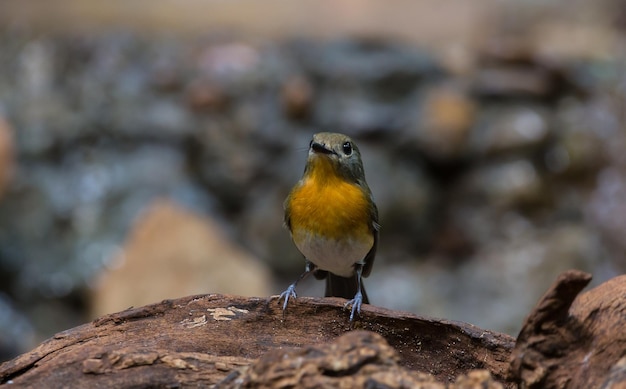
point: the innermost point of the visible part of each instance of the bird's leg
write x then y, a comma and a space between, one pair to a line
358, 297
291, 290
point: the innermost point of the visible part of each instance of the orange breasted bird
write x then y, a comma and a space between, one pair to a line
333, 220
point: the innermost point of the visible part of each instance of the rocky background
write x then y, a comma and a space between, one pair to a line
137, 164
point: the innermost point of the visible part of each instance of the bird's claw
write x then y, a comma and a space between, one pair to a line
356, 305
287, 294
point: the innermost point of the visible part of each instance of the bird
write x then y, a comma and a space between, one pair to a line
333, 220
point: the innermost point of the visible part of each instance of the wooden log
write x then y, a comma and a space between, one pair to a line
201, 340
574, 342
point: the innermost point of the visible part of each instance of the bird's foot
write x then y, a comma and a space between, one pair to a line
287, 294
356, 305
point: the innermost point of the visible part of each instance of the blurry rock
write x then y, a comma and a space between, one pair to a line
575, 41
579, 147
409, 207
442, 123
165, 78
410, 285
172, 253
162, 118
68, 216
451, 241
509, 50
500, 282
297, 97
512, 67
517, 82
509, 275
43, 117
459, 59
206, 96
6, 154
37, 68
287, 150
389, 70
607, 209
264, 229
515, 183
358, 115
578, 152
229, 62
225, 162
511, 129
17, 334
225, 73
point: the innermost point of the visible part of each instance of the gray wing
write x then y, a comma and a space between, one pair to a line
369, 258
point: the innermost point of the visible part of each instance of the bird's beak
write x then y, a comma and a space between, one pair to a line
320, 148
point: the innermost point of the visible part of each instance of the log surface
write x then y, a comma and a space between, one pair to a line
200, 340
567, 341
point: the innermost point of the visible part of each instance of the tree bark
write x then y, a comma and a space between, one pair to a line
574, 342
200, 340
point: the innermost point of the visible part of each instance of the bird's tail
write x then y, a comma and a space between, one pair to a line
337, 286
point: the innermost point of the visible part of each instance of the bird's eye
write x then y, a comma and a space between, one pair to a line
347, 148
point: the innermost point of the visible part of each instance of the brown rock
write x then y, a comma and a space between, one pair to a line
165, 77
297, 97
206, 96
447, 116
6, 154
171, 252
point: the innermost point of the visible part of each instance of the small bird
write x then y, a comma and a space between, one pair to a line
333, 220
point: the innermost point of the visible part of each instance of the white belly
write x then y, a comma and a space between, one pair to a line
335, 256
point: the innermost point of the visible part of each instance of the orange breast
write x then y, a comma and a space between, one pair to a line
326, 205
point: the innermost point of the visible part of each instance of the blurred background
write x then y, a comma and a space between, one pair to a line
146, 148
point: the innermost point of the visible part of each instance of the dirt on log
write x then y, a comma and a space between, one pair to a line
236, 342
